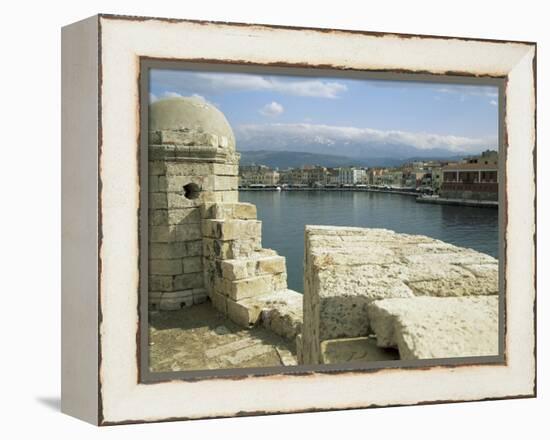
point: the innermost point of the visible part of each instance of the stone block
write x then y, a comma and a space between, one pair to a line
222, 169
281, 311
176, 300
245, 211
188, 169
188, 281
243, 315
157, 168
189, 232
219, 302
222, 183
161, 283
250, 287
158, 217
194, 248
165, 267
153, 182
271, 265
237, 229
364, 349
279, 281
170, 250
177, 200
183, 216
161, 234
158, 200
227, 196
235, 269
192, 264
433, 328
228, 250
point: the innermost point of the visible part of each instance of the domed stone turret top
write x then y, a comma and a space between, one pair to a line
190, 113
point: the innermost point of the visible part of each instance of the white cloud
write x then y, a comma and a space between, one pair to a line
167, 95
272, 109
287, 135
208, 83
465, 91
171, 95
493, 102
301, 87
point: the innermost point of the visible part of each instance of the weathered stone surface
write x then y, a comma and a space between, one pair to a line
229, 211
231, 249
348, 268
193, 248
176, 300
192, 119
271, 265
222, 169
427, 328
280, 311
232, 229
165, 267
219, 302
186, 216
243, 314
208, 340
245, 211
192, 264
158, 200
157, 168
363, 349
188, 281
249, 287
161, 283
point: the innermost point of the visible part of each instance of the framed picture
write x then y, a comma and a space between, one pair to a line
262, 219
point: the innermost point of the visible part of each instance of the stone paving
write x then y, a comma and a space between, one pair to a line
201, 338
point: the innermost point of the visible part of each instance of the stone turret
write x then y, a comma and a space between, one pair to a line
192, 162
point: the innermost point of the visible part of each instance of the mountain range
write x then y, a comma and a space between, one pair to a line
296, 159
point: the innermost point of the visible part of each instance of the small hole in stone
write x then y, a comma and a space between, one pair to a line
191, 191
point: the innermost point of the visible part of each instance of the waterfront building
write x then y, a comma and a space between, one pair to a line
474, 178
352, 176
389, 177
257, 175
437, 178
314, 175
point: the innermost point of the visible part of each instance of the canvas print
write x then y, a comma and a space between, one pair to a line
299, 220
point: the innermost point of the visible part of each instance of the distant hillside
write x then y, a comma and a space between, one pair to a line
295, 159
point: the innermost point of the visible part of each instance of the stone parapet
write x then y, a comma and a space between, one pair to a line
437, 328
347, 269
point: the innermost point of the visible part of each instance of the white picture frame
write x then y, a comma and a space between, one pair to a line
101, 192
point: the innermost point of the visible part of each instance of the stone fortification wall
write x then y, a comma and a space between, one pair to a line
422, 296
246, 282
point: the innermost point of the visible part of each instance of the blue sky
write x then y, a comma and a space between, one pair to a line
335, 111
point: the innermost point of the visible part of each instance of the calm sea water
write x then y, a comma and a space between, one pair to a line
284, 215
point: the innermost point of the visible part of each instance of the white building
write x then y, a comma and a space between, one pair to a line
352, 176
